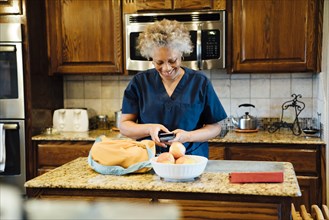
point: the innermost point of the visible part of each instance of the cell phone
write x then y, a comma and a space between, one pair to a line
164, 137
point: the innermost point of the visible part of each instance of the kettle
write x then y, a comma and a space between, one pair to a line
246, 121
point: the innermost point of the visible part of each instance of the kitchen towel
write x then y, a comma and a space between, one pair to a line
119, 157
2, 148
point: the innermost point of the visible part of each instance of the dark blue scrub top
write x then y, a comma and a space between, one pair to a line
192, 104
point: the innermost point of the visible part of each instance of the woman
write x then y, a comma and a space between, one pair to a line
170, 98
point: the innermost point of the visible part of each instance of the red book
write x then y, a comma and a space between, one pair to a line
256, 177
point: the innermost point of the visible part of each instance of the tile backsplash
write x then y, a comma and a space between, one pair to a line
103, 94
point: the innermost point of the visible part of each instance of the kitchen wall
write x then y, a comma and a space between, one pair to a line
103, 94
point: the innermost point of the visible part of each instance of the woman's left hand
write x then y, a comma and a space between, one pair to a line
181, 136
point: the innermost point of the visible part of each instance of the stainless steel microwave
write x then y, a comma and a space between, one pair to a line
207, 31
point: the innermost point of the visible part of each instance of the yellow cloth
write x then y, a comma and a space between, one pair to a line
122, 153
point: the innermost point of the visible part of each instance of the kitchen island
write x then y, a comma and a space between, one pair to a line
306, 154
76, 178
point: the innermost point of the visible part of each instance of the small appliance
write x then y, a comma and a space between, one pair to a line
72, 120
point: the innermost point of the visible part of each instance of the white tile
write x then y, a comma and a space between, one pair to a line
302, 86
110, 90
301, 75
222, 87
307, 112
73, 77
280, 76
92, 89
240, 88
226, 103
110, 77
122, 87
260, 76
109, 106
94, 107
280, 88
240, 76
75, 89
276, 107
74, 103
235, 110
126, 77
219, 74
262, 107
92, 78
260, 88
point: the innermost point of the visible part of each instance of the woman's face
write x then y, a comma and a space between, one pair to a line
167, 62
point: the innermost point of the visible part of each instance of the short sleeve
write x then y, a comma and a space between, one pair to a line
130, 99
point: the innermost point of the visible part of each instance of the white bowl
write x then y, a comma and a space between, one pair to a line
180, 172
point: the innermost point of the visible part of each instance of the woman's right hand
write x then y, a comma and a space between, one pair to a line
154, 130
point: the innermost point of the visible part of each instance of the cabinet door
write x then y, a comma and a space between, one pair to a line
84, 36
216, 151
10, 7
276, 36
193, 4
309, 187
56, 153
133, 6
305, 161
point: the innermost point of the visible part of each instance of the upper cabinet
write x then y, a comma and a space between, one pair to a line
132, 6
84, 37
274, 36
10, 7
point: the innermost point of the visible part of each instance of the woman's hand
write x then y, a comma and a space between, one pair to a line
202, 134
154, 130
181, 136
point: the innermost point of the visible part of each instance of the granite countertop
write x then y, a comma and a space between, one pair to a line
279, 137
78, 175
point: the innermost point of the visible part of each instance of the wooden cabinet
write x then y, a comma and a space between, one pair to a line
10, 7
52, 154
157, 5
274, 36
308, 161
84, 37
216, 151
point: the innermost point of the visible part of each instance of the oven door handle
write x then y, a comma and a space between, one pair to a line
7, 48
10, 126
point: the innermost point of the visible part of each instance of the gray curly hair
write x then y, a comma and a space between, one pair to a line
164, 33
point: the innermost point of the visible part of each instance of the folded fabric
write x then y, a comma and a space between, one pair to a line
2, 148
119, 157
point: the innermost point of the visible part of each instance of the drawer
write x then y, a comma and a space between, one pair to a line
59, 153
216, 152
303, 160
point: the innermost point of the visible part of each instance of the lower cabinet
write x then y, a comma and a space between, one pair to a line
51, 154
308, 161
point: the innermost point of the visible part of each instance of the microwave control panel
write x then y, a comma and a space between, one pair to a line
210, 44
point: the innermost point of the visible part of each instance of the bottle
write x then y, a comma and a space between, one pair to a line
102, 122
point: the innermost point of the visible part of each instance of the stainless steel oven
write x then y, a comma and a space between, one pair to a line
207, 31
12, 111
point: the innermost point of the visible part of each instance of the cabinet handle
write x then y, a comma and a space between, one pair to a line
10, 126
8, 48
